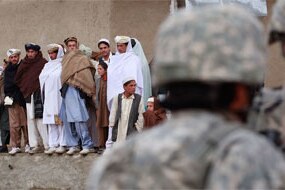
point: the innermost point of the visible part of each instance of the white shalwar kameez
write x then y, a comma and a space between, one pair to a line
124, 119
50, 83
121, 66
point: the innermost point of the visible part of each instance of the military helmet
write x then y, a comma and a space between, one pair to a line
210, 44
277, 22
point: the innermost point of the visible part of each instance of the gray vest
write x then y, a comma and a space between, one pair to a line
134, 114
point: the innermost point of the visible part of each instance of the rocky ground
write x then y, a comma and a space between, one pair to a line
40, 171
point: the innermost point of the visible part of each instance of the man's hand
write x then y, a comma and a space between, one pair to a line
8, 101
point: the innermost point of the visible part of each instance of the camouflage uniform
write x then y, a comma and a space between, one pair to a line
269, 105
277, 22
199, 149
172, 163
268, 111
258, 7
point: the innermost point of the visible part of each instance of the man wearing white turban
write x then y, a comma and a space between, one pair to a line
125, 63
122, 65
16, 102
105, 50
50, 85
126, 115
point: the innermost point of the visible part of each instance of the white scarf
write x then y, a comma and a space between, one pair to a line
138, 50
50, 83
120, 67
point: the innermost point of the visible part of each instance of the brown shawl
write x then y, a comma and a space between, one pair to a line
102, 111
153, 118
78, 71
27, 76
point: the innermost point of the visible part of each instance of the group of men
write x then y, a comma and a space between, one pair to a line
211, 61
50, 101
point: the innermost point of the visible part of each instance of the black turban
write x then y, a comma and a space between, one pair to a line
32, 46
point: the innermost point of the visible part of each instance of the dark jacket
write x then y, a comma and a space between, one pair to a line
10, 87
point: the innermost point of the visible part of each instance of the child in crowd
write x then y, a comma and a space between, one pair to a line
155, 114
102, 111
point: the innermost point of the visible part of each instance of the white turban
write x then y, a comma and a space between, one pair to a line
13, 52
127, 79
52, 47
85, 50
122, 39
151, 99
103, 40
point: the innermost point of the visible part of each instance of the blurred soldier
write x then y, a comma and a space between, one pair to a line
210, 73
277, 25
267, 115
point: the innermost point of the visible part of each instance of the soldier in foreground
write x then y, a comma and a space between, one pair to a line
210, 60
267, 115
277, 25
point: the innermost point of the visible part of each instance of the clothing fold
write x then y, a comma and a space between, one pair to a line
78, 71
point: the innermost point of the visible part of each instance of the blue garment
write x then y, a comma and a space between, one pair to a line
83, 133
70, 135
75, 107
74, 115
